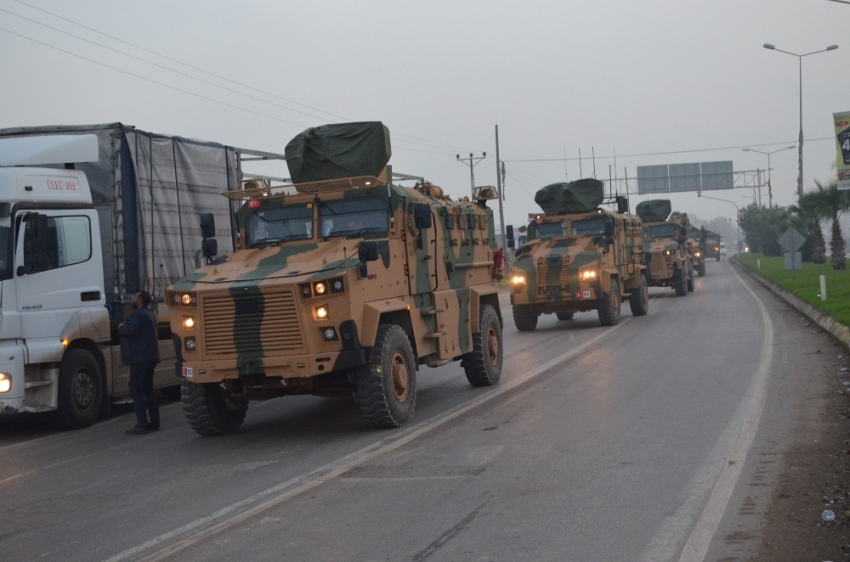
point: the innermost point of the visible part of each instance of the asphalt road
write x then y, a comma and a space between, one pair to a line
620, 443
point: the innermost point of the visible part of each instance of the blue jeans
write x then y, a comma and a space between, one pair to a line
144, 397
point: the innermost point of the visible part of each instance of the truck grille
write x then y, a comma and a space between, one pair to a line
553, 271
251, 324
658, 262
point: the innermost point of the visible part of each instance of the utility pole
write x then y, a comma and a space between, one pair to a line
500, 188
471, 162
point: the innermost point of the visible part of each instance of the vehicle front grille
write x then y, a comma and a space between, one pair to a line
251, 324
658, 261
553, 271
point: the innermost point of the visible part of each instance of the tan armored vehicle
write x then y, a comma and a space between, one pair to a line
339, 286
665, 247
696, 248
578, 257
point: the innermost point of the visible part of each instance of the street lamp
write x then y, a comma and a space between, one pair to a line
800, 58
769, 185
471, 162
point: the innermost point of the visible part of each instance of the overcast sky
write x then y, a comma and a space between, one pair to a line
654, 81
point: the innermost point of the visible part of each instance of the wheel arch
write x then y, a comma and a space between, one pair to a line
92, 347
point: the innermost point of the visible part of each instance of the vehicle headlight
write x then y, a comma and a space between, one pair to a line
190, 343
5, 382
588, 275
183, 299
321, 312
320, 288
189, 323
518, 280
696, 255
668, 252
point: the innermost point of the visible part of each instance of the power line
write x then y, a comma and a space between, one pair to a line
433, 144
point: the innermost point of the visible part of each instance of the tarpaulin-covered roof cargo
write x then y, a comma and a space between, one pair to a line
654, 210
149, 191
580, 196
338, 151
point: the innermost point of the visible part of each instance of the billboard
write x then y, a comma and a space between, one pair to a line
842, 140
678, 178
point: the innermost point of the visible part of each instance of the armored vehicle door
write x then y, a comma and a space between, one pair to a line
421, 248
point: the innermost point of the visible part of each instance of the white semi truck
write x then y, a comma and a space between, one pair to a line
89, 216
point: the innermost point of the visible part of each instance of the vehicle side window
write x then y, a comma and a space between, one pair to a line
69, 243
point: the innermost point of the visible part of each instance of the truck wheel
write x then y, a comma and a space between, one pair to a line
483, 365
691, 279
525, 317
680, 284
207, 411
701, 269
564, 316
718, 257
609, 306
80, 389
386, 387
639, 299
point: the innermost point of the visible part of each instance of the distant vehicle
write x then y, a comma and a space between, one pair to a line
723, 249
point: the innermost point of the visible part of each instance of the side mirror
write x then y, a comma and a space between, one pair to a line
509, 234
609, 228
367, 251
39, 232
422, 216
207, 225
622, 205
5, 210
209, 247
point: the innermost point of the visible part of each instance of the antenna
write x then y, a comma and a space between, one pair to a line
593, 154
566, 175
580, 172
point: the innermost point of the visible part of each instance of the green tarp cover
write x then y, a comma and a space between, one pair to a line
338, 151
654, 210
580, 196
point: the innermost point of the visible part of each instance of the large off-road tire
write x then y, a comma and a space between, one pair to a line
701, 269
525, 317
207, 410
483, 365
564, 316
80, 390
386, 387
639, 299
609, 306
690, 279
680, 283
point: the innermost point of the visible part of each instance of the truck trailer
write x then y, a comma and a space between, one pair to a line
89, 216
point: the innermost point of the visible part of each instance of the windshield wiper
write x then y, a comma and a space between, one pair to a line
355, 231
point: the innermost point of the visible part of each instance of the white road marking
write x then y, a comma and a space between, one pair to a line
299, 485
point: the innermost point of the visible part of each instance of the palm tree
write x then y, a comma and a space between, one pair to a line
810, 214
833, 203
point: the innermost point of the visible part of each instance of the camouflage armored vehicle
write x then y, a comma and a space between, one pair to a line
578, 257
712, 245
342, 283
696, 248
665, 247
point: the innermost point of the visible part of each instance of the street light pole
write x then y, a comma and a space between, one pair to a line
769, 185
800, 58
471, 162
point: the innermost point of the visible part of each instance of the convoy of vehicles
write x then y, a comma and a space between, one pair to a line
712, 245
696, 249
87, 219
578, 257
666, 254
342, 283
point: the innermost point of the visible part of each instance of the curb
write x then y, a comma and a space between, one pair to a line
826, 322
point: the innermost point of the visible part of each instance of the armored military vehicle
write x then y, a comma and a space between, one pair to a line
696, 248
342, 283
578, 257
665, 247
712, 245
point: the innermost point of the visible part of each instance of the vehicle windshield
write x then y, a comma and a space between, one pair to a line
693, 234
590, 227
550, 229
293, 222
660, 231
353, 217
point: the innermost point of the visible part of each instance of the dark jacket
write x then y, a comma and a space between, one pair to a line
138, 338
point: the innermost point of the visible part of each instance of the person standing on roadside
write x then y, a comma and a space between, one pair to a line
140, 350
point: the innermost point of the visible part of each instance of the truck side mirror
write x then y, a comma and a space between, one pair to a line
40, 232
367, 251
209, 247
622, 205
5, 210
207, 226
509, 233
422, 215
609, 228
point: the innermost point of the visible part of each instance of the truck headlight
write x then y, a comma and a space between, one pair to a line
588, 275
518, 280
190, 343
5, 382
320, 288
668, 252
696, 255
321, 312
189, 323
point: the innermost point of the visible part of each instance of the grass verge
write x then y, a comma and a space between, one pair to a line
805, 283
